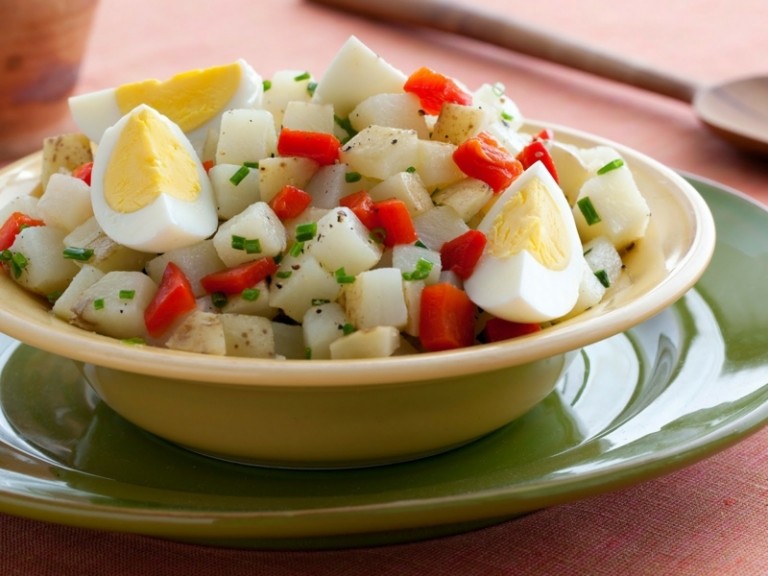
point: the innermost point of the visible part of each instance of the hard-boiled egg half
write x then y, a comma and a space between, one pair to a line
194, 100
149, 189
531, 267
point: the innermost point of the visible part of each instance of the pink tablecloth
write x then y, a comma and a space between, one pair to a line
708, 519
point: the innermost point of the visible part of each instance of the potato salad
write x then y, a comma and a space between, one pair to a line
365, 213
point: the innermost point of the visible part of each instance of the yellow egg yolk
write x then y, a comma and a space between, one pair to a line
189, 99
148, 160
530, 221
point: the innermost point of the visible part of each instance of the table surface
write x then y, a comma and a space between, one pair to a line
708, 518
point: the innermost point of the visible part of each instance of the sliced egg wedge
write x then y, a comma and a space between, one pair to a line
531, 267
194, 100
149, 190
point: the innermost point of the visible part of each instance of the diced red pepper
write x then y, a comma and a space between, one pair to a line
15, 223
207, 165
447, 318
173, 299
396, 222
545, 134
290, 202
435, 89
497, 329
483, 158
537, 151
321, 147
84, 172
235, 280
362, 205
462, 253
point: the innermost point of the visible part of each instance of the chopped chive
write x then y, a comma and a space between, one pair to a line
306, 231
602, 275
284, 274
252, 246
254, 165
17, 261
319, 301
219, 299
507, 116
296, 249
308, 353
134, 341
348, 329
304, 76
278, 258
612, 165
420, 244
345, 125
352, 177
411, 169
126, 294
421, 271
311, 87
239, 175
588, 210
267, 84
238, 242
342, 277
53, 296
98, 304
250, 294
79, 254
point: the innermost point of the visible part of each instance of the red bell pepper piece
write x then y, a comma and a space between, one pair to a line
84, 172
545, 134
396, 222
173, 299
497, 329
462, 253
290, 202
447, 318
15, 223
434, 90
537, 151
207, 165
362, 205
235, 280
321, 147
483, 158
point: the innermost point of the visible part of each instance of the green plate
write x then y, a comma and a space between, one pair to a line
677, 388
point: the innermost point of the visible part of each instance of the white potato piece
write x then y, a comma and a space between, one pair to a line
603, 260
285, 86
199, 332
66, 202
354, 74
254, 233
380, 151
114, 305
309, 116
248, 336
37, 262
407, 258
321, 326
457, 123
277, 172
331, 183
438, 225
235, 187
342, 241
246, 135
195, 261
467, 197
107, 255
86, 276
376, 298
393, 110
435, 166
405, 186
299, 284
377, 342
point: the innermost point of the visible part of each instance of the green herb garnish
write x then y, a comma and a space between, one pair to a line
98, 304
126, 294
303, 76
422, 270
284, 274
79, 254
602, 275
342, 277
348, 329
240, 174
612, 165
350, 177
306, 231
267, 84
250, 294
588, 211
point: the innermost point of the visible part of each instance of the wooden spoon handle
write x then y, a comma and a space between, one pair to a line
497, 29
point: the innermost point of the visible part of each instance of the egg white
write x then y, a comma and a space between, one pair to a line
94, 112
167, 222
518, 287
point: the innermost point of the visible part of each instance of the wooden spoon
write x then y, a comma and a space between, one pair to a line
736, 110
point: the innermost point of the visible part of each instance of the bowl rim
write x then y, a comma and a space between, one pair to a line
88, 347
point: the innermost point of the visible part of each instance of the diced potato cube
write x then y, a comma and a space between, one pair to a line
380, 151
38, 263
246, 135
343, 241
438, 225
394, 110
64, 152
331, 183
108, 255
405, 186
274, 173
604, 260
591, 291
435, 166
196, 261
493, 98
376, 298
300, 283
467, 197
285, 86
309, 116
410, 260
254, 233
248, 336
457, 123
321, 326
354, 74
66, 202
114, 305
200, 332
235, 187
64, 304
377, 342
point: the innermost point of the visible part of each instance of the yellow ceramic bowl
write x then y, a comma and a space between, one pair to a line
366, 412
